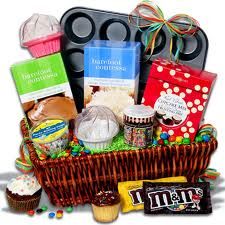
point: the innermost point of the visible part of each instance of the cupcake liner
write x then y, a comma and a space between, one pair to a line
98, 145
106, 214
23, 205
44, 46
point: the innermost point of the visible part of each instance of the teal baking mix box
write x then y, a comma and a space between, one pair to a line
44, 89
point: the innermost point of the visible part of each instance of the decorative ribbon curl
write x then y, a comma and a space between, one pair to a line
150, 16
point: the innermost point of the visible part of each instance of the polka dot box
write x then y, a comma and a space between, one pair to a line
180, 95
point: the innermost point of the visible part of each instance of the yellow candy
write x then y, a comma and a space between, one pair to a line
59, 215
179, 139
158, 132
131, 192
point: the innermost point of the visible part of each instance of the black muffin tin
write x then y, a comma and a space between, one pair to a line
81, 25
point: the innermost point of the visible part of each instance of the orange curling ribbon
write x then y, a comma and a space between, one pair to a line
149, 16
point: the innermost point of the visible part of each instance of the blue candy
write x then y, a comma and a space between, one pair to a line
155, 142
51, 215
81, 143
87, 151
74, 153
164, 136
206, 138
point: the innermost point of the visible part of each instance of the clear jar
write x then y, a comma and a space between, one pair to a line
51, 136
138, 125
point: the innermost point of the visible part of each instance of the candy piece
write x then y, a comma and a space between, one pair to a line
206, 138
164, 136
161, 142
76, 148
166, 142
131, 193
66, 154
87, 151
198, 139
172, 138
186, 141
158, 132
162, 198
155, 142
81, 143
69, 209
44, 208
39, 211
51, 215
59, 215
74, 153
179, 139
31, 212
82, 153
59, 211
54, 156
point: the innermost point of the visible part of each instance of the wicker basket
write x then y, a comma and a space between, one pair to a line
74, 180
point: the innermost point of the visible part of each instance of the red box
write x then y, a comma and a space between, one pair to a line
180, 95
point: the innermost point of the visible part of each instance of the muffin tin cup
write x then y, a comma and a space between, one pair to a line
81, 25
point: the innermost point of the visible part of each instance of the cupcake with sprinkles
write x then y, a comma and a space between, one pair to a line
23, 193
105, 206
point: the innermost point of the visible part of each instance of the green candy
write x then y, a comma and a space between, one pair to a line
54, 156
44, 208
69, 209
76, 148
186, 141
198, 139
166, 142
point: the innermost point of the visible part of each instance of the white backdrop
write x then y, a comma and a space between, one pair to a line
13, 13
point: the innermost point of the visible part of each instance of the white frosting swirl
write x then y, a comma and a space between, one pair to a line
23, 185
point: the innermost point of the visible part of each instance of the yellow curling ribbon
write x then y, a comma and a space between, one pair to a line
149, 16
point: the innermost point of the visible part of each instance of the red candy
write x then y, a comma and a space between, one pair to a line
31, 212
161, 142
82, 153
60, 211
172, 138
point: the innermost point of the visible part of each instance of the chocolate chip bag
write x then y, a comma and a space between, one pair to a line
131, 192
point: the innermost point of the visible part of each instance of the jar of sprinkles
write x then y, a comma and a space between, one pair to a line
138, 125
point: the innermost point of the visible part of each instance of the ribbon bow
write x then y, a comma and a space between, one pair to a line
149, 16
